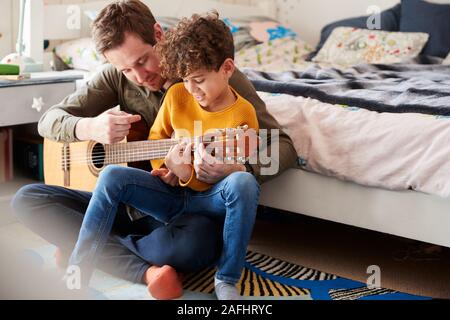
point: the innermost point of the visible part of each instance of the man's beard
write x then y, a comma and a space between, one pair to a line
155, 84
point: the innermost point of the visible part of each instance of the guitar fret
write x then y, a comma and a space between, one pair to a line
138, 150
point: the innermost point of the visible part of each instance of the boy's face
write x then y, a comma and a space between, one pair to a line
210, 87
138, 61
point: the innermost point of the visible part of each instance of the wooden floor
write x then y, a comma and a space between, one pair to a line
406, 265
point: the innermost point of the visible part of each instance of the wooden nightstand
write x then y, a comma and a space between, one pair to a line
25, 101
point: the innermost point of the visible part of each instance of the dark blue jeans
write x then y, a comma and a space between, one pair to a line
234, 198
56, 214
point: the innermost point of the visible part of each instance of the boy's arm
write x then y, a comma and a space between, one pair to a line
162, 127
194, 183
248, 118
287, 154
100, 94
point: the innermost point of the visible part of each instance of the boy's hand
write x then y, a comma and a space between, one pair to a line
210, 170
166, 176
178, 160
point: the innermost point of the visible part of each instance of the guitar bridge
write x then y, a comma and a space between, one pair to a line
65, 156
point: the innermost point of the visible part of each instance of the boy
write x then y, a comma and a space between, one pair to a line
199, 50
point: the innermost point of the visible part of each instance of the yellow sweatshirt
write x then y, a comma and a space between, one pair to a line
180, 110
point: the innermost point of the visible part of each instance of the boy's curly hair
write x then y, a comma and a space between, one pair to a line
199, 42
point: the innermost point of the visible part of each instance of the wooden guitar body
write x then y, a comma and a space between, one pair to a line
77, 165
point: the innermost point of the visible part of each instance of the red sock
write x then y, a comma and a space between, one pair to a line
61, 259
163, 283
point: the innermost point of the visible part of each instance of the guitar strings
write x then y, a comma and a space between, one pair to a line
111, 156
122, 157
121, 153
117, 150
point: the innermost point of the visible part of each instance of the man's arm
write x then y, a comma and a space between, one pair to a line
287, 154
59, 123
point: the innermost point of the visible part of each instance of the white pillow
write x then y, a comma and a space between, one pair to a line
350, 46
447, 60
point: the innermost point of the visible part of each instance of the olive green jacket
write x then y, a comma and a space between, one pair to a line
110, 88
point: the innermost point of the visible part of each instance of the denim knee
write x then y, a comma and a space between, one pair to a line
23, 199
113, 176
113, 171
242, 183
189, 243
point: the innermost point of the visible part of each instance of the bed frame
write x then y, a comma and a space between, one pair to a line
407, 214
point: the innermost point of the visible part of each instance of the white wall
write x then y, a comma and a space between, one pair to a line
5, 27
9, 22
306, 17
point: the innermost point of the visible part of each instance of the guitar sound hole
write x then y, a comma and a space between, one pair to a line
98, 156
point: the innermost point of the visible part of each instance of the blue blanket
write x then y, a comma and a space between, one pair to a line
398, 88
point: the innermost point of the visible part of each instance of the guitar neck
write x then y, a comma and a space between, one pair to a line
138, 151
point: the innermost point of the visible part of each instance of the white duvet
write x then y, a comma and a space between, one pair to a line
392, 151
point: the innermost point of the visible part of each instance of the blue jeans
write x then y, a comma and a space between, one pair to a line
234, 199
56, 214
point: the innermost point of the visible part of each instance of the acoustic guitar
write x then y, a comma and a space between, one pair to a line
77, 165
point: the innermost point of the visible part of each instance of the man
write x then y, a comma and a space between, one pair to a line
125, 33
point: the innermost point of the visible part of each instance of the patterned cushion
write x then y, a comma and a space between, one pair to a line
251, 31
389, 20
276, 55
79, 54
270, 30
351, 46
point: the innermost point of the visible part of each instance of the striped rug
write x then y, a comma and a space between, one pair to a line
268, 277
263, 277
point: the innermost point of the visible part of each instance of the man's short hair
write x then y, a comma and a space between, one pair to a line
119, 18
199, 42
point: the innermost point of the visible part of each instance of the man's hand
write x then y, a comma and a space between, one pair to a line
210, 170
166, 176
112, 126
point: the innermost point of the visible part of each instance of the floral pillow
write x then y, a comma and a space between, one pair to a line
275, 56
447, 60
79, 54
241, 33
269, 31
351, 46
251, 31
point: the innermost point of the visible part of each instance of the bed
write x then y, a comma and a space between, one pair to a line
406, 213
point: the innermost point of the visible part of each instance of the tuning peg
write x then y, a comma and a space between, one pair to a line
241, 160
229, 159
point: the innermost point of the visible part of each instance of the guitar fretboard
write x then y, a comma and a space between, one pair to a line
138, 151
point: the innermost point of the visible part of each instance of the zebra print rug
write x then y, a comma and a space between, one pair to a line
264, 277
268, 277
